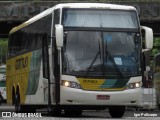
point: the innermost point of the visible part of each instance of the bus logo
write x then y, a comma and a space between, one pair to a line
21, 63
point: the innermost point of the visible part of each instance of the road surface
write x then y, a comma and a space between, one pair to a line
130, 114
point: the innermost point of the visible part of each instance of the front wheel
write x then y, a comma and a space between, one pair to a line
117, 111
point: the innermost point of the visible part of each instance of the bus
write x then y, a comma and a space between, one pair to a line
3, 73
156, 77
2, 84
77, 56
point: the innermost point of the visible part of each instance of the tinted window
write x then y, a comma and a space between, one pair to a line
30, 37
18, 43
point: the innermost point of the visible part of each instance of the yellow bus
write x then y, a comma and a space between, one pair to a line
77, 56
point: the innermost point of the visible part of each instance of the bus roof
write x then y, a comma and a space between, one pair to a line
72, 5
94, 5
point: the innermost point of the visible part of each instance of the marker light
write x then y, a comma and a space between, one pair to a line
70, 84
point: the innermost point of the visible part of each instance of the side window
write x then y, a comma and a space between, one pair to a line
56, 16
30, 37
35, 41
38, 41
17, 43
31, 41
24, 42
11, 45
37, 31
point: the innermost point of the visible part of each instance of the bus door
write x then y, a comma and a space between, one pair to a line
46, 71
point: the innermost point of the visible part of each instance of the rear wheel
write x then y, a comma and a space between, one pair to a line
17, 102
117, 111
13, 96
22, 108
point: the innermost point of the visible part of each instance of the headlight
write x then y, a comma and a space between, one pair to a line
70, 84
133, 85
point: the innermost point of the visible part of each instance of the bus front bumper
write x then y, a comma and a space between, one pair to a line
71, 96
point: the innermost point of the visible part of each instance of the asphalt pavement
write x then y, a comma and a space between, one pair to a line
7, 112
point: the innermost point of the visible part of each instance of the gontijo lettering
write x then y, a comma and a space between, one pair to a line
21, 63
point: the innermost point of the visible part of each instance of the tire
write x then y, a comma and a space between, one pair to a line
117, 111
13, 96
22, 108
17, 103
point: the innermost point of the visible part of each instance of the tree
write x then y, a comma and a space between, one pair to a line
3, 50
156, 46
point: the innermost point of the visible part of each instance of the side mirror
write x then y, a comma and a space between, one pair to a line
148, 38
59, 35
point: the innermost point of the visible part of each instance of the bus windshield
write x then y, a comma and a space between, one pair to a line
98, 53
100, 18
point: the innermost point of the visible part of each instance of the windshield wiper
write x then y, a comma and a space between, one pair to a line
114, 64
91, 65
95, 58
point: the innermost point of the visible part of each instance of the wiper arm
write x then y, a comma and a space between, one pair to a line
114, 64
95, 58
91, 65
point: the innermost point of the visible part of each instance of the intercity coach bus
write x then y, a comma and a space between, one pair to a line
77, 56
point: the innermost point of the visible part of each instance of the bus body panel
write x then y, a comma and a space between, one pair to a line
24, 72
17, 75
71, 96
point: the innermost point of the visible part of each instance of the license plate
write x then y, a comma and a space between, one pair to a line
103, 97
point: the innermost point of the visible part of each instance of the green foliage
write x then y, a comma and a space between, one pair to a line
3, 50
156, 46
